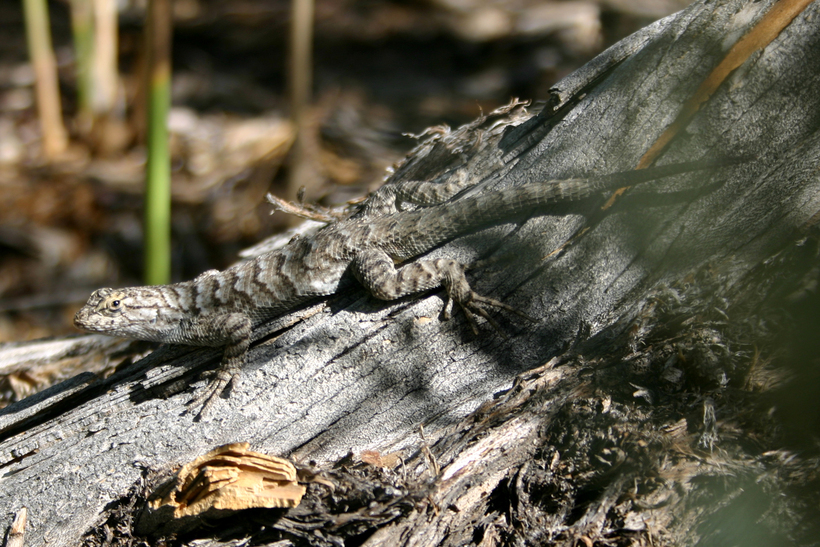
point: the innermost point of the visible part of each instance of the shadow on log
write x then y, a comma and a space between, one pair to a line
665, 394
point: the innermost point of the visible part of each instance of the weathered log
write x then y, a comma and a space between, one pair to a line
635, 409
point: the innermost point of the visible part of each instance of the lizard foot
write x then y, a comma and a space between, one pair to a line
212, 392
376, 270
472, 303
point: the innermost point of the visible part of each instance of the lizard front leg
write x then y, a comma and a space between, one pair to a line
378, 273
231, 330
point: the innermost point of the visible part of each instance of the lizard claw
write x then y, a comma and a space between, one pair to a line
447, 312
208, 397
501, 305
473, 303
478, 304
471, 308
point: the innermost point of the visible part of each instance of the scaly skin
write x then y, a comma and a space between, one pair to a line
220, 309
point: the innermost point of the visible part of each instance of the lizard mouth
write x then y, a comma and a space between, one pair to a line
81, 320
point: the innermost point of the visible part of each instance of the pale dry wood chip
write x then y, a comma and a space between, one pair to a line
232, 477
386, 461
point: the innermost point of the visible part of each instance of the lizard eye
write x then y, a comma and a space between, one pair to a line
115, 304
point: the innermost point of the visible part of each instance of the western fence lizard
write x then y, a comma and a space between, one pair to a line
220, 309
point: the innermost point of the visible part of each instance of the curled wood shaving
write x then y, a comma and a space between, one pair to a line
232, 477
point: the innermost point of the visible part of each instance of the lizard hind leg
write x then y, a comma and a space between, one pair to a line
376, 271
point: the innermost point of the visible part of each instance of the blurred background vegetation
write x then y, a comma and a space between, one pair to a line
72, 171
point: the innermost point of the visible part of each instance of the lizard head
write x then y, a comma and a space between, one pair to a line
136, 312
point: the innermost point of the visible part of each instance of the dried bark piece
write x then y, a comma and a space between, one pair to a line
234, 478
227, 479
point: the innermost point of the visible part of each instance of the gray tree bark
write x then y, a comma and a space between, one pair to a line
639, 408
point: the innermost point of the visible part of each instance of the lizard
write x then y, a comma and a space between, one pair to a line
221, 308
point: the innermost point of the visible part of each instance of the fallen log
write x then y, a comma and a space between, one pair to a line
641, 406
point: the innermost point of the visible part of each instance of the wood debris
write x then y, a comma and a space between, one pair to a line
229, 478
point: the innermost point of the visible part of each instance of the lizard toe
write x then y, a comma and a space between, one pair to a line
208, 397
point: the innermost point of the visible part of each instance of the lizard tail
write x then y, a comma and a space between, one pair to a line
432, 226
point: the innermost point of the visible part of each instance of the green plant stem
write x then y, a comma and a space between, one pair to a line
158, 168
82, 27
